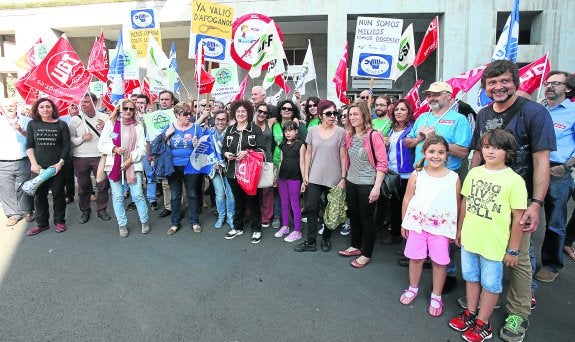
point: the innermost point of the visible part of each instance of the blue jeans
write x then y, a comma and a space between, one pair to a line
151, 178
560, 189
477, 269
190, 181
137, 196
224, 199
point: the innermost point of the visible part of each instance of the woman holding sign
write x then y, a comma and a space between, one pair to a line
244, 134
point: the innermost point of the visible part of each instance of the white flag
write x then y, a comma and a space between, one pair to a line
276, 68
307, 72
266, 49
159, 64
406, 55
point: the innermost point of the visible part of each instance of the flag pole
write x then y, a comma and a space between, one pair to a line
542, 75
121, 138
370, 96
438, 54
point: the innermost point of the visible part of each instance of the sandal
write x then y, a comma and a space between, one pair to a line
13, 220
36, 230
405, 300
569, 251
172, 230
60, 227
197, 228
435, 312
348, 253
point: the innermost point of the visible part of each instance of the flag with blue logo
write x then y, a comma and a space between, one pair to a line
506, 47
116, 73
174, 65
205, 156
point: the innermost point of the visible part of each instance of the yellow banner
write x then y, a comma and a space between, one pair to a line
212, 19
139, 39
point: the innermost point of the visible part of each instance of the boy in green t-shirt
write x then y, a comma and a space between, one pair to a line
489, 232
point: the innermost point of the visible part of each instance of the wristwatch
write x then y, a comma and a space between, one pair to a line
513, 252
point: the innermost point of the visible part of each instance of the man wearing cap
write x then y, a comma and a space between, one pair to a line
444, 121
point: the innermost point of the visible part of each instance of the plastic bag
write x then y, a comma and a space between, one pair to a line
334, 214
248, 172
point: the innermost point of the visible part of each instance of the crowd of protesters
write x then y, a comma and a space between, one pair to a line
314, 147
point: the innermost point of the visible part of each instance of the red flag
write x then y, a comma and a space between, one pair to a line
129, 86
429, 43
340, 78
531, 75
98, 60
61, 74
465, 81
243, 86
413, 95
146, 91
204, 81
279, 80
423, 108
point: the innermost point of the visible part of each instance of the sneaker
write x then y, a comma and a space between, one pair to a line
293, 236
346, 229
514, 329
146, 227
233, 233
462, 302
276, 223
256, 237
219, 223
304, 219
533, 301
463, 321
265, 224
154, 205
320, 231
124, 231
131, 206
306, 247
545, 275
480, 332
283, 231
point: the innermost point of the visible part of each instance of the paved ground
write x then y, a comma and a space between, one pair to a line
88, 284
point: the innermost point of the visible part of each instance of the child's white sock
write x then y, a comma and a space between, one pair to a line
409, 294
435, 303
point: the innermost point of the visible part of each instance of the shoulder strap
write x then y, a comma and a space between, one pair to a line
372, 149
91, 127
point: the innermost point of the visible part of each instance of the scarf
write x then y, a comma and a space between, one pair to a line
128, 141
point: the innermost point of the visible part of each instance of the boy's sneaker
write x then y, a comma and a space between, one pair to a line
346, 229
463, 321
219, 223
480, 332
283, 231
293, 236
276, 223
514, 329
265, 224
233, 233
256, 237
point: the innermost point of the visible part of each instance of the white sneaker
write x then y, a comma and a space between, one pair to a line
283, 231
233, 233
320, 232
256, 237
346, 229
293, 236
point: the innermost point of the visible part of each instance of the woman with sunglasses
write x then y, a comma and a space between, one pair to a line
182, 137
367, 165
324, 168
311, 113
264, 119
124, 144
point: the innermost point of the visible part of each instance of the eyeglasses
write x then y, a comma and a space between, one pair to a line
312, 105
364, 97
334, 113
287, 109
185, 114
131, 109
263, 111
554, 83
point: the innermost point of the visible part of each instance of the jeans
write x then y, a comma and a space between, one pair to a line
242, 200
361, 213
57, 184
137, 196
570, 229
151, 180
14, 200
289, 190
560, 189
224, 198
312, 202
190, 182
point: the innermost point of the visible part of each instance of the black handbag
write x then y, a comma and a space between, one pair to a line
390, 187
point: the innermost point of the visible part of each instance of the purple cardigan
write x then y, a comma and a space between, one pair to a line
378, 145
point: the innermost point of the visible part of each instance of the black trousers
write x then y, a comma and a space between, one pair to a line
361, 214
57, 184
313, 204
241, 201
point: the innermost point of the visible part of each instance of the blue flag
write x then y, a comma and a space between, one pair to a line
205, 156
116, 73
174, 65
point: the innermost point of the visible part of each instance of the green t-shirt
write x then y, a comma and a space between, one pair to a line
313, 122
382, 125
156, 122
490, 197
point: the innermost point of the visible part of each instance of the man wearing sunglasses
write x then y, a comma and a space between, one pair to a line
85, 129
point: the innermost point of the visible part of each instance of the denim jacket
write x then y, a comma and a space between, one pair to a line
405, 156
